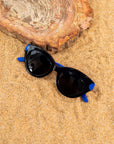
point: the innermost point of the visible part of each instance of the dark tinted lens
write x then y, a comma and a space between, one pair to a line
71, 83
38, 63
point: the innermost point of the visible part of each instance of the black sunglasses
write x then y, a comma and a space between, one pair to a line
70, 82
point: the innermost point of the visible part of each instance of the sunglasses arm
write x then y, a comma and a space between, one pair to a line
59, 65
21, 59
84, 98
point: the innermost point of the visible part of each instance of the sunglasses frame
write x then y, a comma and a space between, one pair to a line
54, 67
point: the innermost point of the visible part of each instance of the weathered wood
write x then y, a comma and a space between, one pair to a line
52, 24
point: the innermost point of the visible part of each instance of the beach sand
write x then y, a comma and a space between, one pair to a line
33, 111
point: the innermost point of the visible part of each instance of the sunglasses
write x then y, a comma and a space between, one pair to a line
70, 82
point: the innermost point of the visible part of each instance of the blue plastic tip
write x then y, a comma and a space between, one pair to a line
27, 47
91, 86
59, 65
21, 59
84, 97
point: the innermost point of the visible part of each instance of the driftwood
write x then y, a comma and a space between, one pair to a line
51, 24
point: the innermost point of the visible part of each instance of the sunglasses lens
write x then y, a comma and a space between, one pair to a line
38, 63
72, 83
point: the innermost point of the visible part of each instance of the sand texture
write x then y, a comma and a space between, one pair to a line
33, 111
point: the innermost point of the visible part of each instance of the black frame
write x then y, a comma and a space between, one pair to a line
56, 68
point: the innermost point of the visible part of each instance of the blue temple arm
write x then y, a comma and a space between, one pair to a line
84, 98
91, 86
59, 65
27, 47
21, 59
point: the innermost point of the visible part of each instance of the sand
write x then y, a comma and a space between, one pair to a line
33, 111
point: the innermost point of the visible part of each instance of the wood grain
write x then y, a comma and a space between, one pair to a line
52, 24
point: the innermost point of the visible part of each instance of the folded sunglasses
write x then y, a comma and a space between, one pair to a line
70, 82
